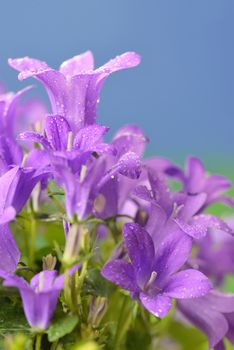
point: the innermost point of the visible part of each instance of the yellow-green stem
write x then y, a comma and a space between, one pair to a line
38, 342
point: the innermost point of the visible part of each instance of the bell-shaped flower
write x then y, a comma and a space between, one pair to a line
40, 296
151, 275
195, 180
101, 184
16, 186
178, 208
10, 152
74, 89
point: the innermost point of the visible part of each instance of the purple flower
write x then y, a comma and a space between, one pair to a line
195, 181
10, 151
212, 248
9, 111
16, 186
74, 89
40, 296
151, 275
99, 185
178, 208
9, 251
213, 314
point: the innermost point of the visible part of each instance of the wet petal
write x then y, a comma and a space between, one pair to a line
140, 249
172, 253
126, 60
158, 305
57, 129
187, 284
121, 273
88, 137
130, 138
34, 137
78, 64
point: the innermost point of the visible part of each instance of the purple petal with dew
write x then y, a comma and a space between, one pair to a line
57, 129
34, 137
158, 305
78, 64
171, 254
187, 284
121, 273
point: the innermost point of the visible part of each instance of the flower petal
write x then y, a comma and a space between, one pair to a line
130, 138
158, 305
88, 137
57, 129
8, 250
140, 249
34, 137
121, 273
187, 284
209, 321
7, 215
78, 64
195, 172
28, 66
194, 229
172, 253
126, 60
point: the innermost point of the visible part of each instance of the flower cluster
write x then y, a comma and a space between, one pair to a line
121, 217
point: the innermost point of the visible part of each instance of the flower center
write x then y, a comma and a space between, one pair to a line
150, 281
70, 141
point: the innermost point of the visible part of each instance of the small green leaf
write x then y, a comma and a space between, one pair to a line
61, 327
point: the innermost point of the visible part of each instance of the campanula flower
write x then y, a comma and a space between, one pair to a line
178, 208
195, 180
16, 186
152, 274
74, 89
40, 296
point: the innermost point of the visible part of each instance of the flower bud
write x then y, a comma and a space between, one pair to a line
98, 306
73, 245
49, 262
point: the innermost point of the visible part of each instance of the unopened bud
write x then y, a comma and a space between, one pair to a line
73, 244
98, 306
49, 262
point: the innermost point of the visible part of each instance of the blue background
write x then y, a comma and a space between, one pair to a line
181, 95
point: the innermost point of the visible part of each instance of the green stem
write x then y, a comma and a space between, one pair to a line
54, 345
32, 241
79, 284
38, 341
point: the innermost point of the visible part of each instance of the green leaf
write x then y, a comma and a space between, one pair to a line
97, 285
12, 318
61, 327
